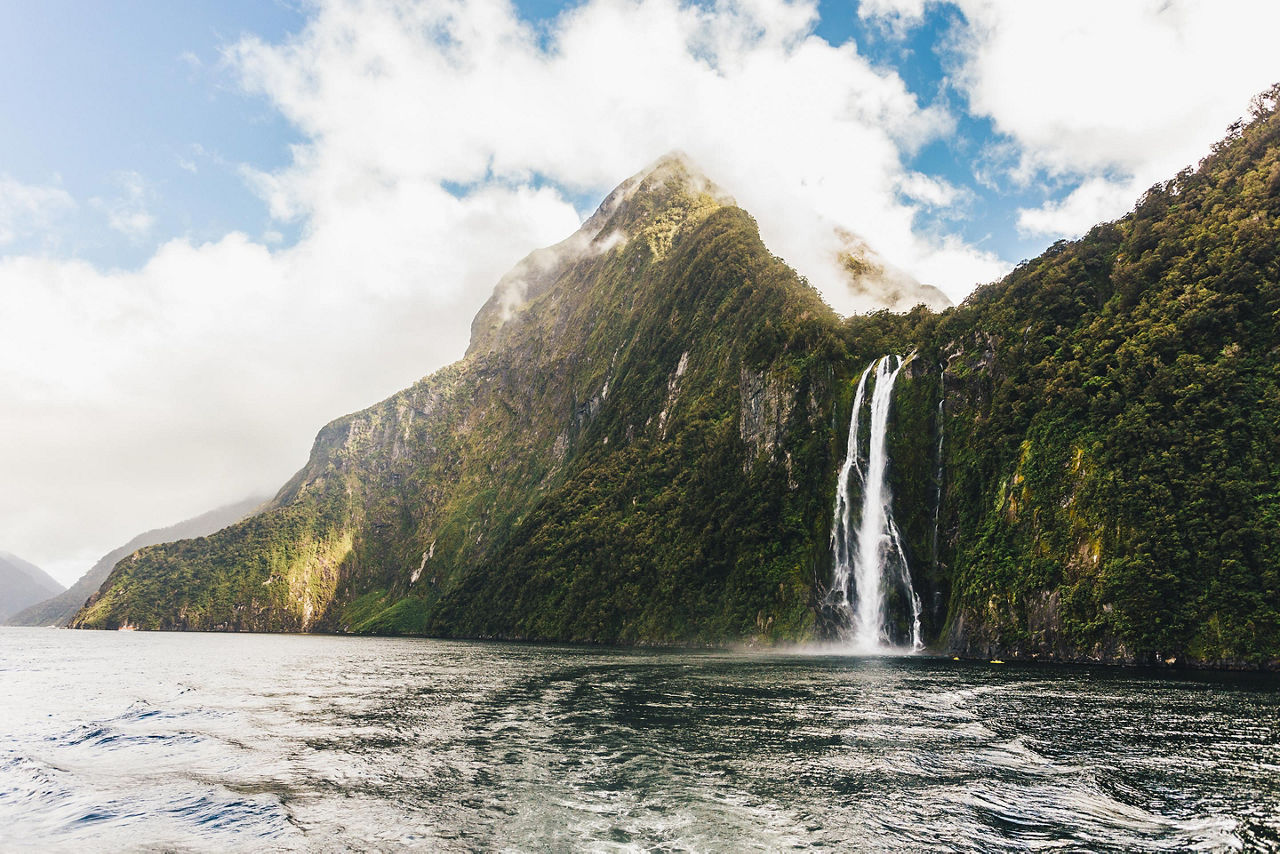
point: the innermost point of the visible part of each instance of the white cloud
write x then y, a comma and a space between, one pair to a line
28, 209
203, 376
895, 17
1099, 85
1112, 96
930, 191
1094, 201
409, 93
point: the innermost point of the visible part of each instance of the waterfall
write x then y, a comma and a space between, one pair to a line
870, 558
840, 527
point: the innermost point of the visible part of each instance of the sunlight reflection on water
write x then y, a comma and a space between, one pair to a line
254, 742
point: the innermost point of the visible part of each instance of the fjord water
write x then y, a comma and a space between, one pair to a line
141, 741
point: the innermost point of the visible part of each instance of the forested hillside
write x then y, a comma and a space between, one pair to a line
58, 610
1112, 429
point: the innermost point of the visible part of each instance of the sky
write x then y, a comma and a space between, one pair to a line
223, 224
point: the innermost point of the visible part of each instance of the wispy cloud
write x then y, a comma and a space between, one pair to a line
29, 209
930, 191
1096, 200
127, 212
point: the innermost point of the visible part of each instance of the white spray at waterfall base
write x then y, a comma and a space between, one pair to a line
869, 558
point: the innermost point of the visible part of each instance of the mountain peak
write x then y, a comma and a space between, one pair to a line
672, 179
679, 169
653, 205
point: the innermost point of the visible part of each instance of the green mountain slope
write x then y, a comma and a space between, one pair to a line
637, 447
1112, 431
58, 610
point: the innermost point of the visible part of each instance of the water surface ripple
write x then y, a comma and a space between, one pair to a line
138, 741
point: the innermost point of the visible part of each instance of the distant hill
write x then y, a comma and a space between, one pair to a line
58, 609
22, 583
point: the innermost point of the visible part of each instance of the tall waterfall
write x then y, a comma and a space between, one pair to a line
869, 558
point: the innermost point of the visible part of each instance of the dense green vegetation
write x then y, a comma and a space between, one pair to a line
645, 450
668, 526
1115, 408
59, 610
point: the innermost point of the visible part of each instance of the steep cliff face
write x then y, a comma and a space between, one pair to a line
1112, 432
635, 448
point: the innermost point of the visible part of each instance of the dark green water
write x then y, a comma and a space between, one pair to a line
133, 741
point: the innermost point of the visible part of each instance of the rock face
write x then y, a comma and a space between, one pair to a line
22, 584
636, 448
58, 610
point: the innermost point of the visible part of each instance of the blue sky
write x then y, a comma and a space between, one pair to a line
94, 92
102, 98
223, 224
919, 58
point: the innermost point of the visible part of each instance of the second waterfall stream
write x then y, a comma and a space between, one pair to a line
867, 547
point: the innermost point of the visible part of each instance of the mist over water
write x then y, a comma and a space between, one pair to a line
251, 742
